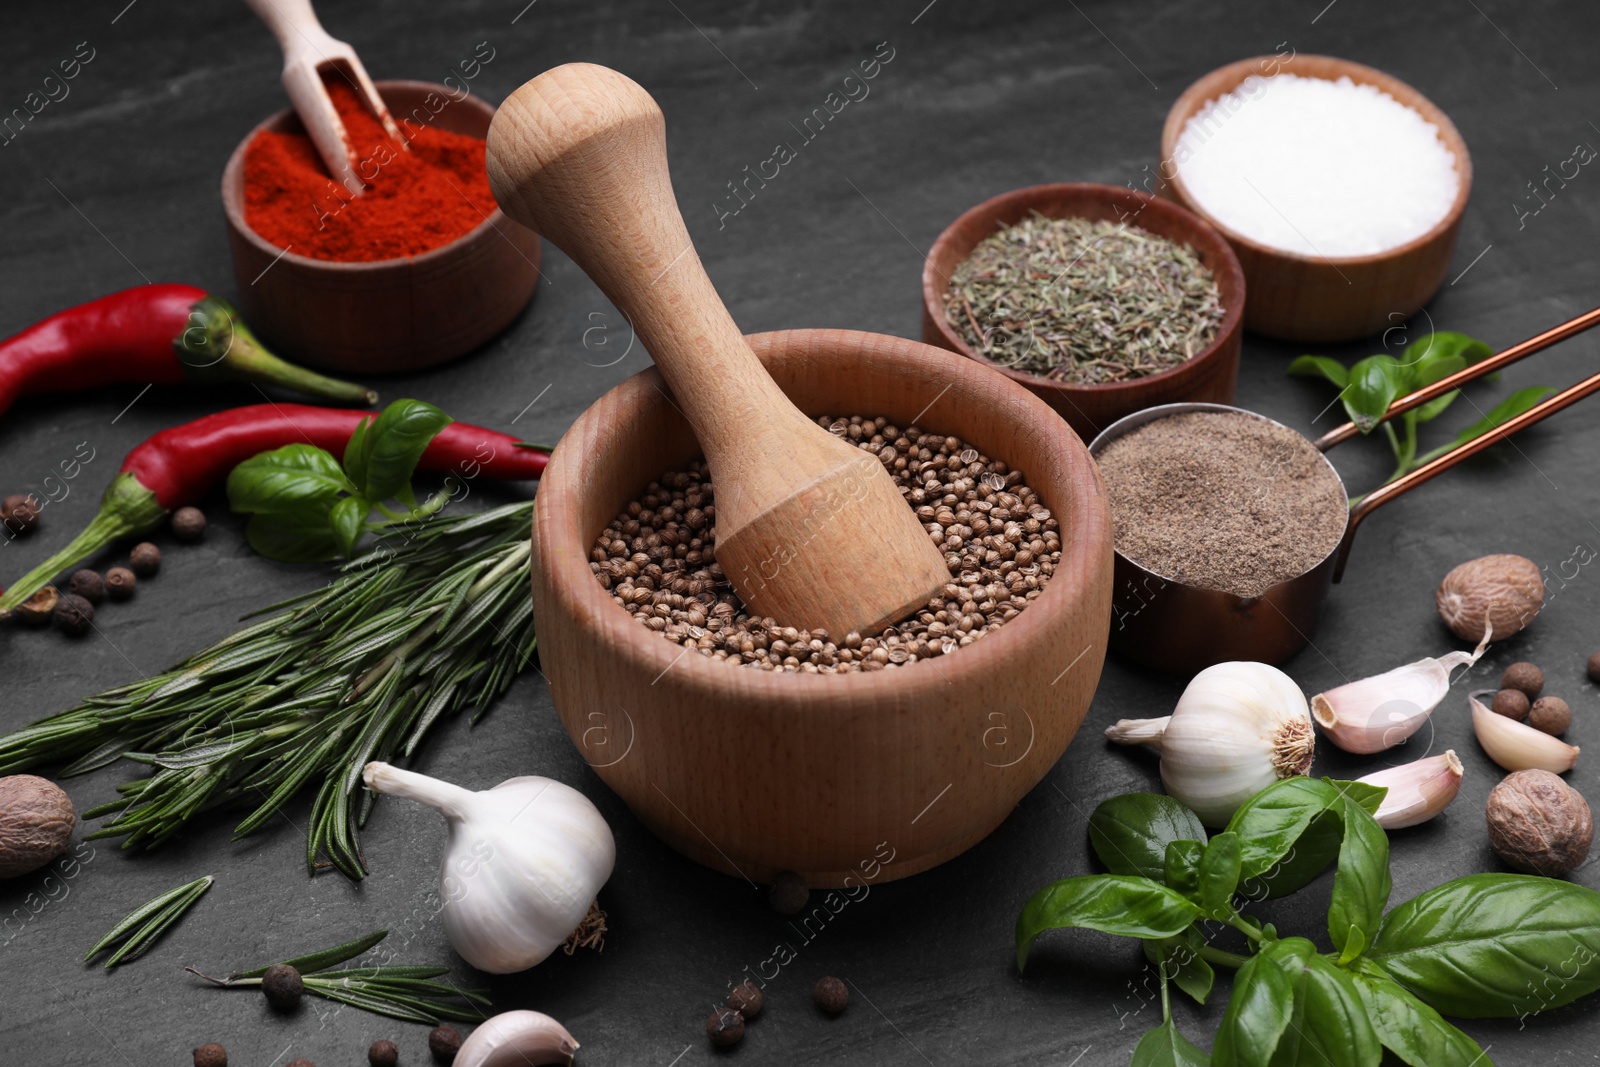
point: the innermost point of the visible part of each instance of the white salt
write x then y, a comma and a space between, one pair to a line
1318, 167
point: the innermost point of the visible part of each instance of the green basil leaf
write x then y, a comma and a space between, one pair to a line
357, 450
286, 480
347, 519
1181, 871
390, 449
1110, 903
1180, 959
1446, 345
1361, 885
1323, 367
1219, 874
1269, 823
1435, 407
1503, 412
1291, 1007
1494, 945
1308, 857
1375, 383
1165, 1047
1408, 1027
304, 537
1130, 833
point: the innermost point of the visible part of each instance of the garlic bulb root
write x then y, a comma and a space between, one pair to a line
1517, 746
1377, 713
1237, 728
1418, 790
517, 1039
523, 863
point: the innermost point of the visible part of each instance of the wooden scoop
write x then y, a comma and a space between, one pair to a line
811, 530
308, 51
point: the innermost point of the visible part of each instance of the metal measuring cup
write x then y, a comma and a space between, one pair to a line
1173, 626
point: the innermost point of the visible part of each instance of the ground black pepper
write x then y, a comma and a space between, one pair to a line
1001, 543
1222, 500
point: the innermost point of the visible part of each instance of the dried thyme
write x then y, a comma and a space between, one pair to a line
1083, 301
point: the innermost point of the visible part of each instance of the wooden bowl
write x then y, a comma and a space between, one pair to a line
1210, 375
1315, 298
867, 776
392, 314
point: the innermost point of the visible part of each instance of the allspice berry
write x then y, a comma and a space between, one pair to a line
1550, 714
745, 998
120, 583
87, 584
145, 559
19, 513
789, 893
1525, 677
300, 1063
38, 609
282, 985
725, 1027
831, 995
1512, 703
212, 1055
444, 1042
188, 524
1594, 667
1540, 824
36, 821
383, 1053
73, 615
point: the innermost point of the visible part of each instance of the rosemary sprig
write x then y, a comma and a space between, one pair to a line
436, 619
140, 928
399, 991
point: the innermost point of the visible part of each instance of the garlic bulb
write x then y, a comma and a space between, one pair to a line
1418, 790
1376, 713
522, 864
516, 1039
1237, 728
1517, 746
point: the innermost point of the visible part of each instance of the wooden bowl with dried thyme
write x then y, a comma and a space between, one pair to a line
1099, 299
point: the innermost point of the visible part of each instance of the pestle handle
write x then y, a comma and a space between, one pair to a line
579, 155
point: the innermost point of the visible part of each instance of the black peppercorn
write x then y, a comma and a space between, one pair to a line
725, 1027
789, 894
745, 998
1512, 703
19, 513
88, 584
38, 608
444, 1042
73, 615
120, 583
282, 985
1525, 677
212, 1055
188, 524
145, 559
831, 995
383, 1053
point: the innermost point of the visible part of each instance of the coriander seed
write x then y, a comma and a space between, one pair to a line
444, 1042
1525, 677
831, 995
724, 1027
145, 559
1550, 714
120, 583
282, 986
73, 615
1512, 703
188, 524
745, 998
212, 1055
87, 584
789, 893
383, 1053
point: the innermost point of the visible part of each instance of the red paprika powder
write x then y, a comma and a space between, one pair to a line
414, 201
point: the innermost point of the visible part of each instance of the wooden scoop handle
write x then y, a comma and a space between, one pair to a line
579, 155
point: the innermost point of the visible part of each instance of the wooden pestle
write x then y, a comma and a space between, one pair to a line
811, 530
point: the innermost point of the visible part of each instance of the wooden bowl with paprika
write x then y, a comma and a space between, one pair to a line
340, 307
846, 778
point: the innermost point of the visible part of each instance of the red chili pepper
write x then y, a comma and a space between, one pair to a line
151, 333
180, 465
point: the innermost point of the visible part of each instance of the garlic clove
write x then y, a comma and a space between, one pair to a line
1517, 746
1377, 713
516, 1039
1418, 790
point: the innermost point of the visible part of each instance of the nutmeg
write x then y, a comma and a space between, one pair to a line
36, 821
1501, 592
1538, 823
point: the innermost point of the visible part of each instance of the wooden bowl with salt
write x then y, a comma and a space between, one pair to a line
1210, 375
387, 315
1326, 298
752, 772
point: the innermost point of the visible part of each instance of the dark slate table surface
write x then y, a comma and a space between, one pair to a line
117, 183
